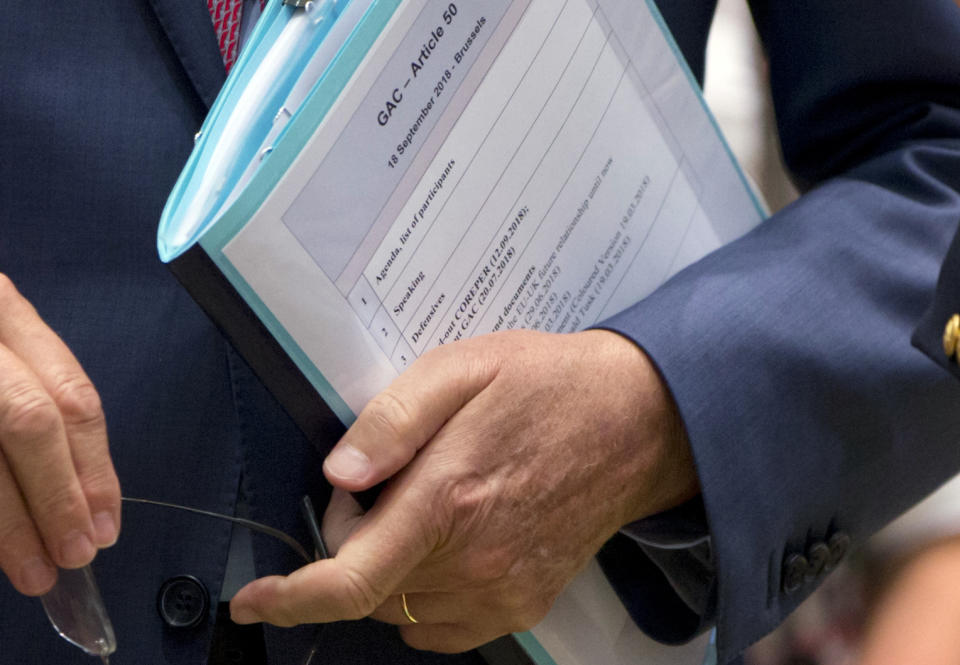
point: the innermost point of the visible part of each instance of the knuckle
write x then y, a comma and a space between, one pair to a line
62, 502
513, 600
488, 566
469, 500
531, 614
390, 414
100, 484
14, 529
78, 400
467, 497
27, 412
522, 612
523, 606
478, 360
435, 354
362, 596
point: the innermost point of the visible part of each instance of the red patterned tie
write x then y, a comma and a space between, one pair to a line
226, 22
226, 15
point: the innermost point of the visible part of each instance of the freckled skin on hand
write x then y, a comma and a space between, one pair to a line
511, 459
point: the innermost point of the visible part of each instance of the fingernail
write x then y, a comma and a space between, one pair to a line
347, 463
243, 615
105, 528
37, 576
76, 550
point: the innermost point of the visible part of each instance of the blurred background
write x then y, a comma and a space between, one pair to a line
738, 93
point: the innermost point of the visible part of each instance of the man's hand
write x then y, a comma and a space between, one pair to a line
59, 494
517, 455
916, 617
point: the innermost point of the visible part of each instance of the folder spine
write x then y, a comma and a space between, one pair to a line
197, 272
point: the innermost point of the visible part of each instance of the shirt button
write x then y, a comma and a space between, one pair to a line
183, 602
951, 336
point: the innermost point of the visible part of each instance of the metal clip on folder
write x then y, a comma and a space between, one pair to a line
286, 55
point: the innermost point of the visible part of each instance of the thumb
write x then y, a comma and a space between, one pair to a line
387, 544
403, 418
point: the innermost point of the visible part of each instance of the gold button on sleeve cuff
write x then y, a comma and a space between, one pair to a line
951, 336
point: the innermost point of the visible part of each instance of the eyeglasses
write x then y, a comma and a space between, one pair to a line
75, 607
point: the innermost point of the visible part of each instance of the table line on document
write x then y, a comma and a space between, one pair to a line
384, 322
511, 161
453, 190
413, 174
550, 208
401, 266
656, 218
331, 150
536, 170
378, 321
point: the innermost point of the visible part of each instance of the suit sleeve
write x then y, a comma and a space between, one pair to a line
811, 417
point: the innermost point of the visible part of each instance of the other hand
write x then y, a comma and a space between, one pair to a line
517, 455
916, 617
59, 494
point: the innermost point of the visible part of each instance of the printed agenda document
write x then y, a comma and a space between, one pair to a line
489, 165
471, 167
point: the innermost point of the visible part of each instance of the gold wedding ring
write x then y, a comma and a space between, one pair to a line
406, 610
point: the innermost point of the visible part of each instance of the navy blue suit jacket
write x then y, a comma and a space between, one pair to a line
99, 103
788, 352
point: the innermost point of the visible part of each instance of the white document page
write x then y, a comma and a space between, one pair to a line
511, 163
514, 163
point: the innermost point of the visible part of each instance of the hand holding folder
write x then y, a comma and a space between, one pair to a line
495, 503
456, 170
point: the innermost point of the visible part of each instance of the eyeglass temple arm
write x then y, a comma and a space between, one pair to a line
255, 526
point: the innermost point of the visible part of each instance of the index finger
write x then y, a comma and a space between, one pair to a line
53, 433
400, 420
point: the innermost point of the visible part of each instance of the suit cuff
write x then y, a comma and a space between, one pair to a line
678, 528
678, 543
